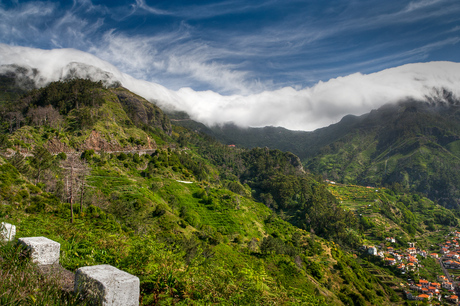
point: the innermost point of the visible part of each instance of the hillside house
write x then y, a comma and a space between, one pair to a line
372, 250
410, 267
433, 290
442, 278
453, 299
434, 255
412, 251
409, 295
423, 297
451, 264
436, 285
390, 261
424, 283
448, 285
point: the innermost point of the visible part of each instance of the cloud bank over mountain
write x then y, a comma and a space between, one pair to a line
300, 109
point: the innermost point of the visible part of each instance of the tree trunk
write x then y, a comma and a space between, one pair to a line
71, 194
82, 194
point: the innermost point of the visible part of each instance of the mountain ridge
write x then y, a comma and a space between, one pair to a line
298, 109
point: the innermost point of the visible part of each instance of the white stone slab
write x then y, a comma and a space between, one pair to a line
7, 231
108, 285
43, 251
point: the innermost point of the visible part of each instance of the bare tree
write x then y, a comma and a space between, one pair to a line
75, 172
12, 118
45, 116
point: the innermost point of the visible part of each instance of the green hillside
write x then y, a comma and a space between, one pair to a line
410, 145
102, 171
415, 145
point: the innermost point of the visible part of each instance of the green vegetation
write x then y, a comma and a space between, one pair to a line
386, 212
103, 172
186, 218
412, 145
23, 284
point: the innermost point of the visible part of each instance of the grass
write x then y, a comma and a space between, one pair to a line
22, 283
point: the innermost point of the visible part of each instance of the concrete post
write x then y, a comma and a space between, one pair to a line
44, 251
108, 286
7, 231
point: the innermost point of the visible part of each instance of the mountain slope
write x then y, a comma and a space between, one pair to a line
184, 218
414, 144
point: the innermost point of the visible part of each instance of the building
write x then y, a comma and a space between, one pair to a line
372, 250
410, 266
436, 285
453, 299
390, 261
448, 285
424, 283
442, 278
423, 297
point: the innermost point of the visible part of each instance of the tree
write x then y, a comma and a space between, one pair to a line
12, 118
75, 172
41, 161
45, 116
4, 142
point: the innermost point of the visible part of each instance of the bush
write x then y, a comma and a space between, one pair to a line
122, 156
61, 156
87, 155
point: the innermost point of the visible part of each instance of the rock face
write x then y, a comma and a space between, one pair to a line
55, 146
143, 112
108, 285
98, 143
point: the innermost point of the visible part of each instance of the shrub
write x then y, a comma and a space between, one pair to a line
122, 156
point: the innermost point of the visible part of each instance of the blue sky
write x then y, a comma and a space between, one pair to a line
240, 47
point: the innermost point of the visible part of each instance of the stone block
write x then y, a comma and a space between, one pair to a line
108, 286
43, 251
7, 231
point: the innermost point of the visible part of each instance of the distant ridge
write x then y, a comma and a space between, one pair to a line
414, 144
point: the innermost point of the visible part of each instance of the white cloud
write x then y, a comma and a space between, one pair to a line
415, 5
160, 57
304, 109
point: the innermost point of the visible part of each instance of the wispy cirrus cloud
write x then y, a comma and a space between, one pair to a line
415, 5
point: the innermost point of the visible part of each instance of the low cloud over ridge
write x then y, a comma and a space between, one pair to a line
305, 109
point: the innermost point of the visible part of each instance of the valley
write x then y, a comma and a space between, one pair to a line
196, 220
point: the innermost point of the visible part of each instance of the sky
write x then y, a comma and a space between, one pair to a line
249, 59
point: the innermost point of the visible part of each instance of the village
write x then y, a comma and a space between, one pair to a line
445, 288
